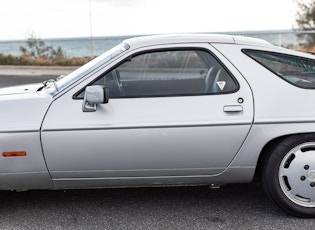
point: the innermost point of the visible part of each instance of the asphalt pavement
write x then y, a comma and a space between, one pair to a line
239, 206
236, 206
17, 75
8, 70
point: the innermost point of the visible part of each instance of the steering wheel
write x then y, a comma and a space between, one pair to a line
116, 77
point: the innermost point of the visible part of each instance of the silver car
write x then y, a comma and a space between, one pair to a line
169, 110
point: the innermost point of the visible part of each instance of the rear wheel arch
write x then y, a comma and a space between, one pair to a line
267, 149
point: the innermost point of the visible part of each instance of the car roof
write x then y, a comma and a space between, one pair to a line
194, 38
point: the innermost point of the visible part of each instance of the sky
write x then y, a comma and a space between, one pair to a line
83, 18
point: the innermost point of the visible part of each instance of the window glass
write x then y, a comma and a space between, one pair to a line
168, 73
296, 70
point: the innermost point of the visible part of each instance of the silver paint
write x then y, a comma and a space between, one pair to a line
151, 141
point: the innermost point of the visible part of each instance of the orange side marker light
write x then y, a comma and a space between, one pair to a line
14, 154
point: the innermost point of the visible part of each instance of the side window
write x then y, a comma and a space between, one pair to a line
168, 73
293, 69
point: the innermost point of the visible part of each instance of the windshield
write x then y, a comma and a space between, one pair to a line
65, 81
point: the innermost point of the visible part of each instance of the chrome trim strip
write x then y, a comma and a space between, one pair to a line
20, 131
114, 127
283, 122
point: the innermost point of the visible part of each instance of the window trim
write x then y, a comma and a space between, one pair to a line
75, 96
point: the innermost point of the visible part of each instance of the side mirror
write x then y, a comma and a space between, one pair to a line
94, 95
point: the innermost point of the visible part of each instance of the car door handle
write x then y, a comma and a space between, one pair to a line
232, 108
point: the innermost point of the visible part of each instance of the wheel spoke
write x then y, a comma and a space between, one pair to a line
294, 175
283, 172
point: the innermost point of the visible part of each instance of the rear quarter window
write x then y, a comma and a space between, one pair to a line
293, 69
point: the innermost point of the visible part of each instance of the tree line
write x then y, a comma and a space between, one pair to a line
305, 20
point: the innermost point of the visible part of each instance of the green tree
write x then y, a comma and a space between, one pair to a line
306, 20
36, 48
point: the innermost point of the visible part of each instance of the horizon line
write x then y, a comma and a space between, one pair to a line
240, 32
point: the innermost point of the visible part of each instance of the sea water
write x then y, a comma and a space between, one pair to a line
71, 47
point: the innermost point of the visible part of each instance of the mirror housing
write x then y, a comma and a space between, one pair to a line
94, 95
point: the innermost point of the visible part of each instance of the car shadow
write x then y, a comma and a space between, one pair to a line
237, 206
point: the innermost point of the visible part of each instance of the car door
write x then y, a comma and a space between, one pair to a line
180, 111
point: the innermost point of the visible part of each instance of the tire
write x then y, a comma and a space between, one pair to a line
288, 174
